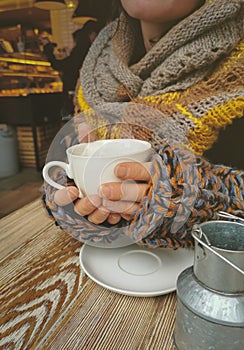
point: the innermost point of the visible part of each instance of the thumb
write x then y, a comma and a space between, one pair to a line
85, 133
66, 195
133, 171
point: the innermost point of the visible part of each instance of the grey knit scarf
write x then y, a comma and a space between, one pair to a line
184, 56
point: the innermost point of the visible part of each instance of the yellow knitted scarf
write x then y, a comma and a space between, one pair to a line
209, 92
206, 128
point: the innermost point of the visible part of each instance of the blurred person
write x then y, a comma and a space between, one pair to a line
70, 66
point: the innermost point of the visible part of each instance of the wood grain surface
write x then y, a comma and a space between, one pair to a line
46, 302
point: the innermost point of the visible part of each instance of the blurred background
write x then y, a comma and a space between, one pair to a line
24, 20
31, 90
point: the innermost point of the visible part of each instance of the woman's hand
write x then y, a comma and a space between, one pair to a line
123, 197
116, 200
88, 206
85, 134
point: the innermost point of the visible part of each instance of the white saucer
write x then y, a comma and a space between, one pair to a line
134, 270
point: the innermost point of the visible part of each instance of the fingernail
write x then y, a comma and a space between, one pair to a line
105, 191
72, 193
121, 171
79, 212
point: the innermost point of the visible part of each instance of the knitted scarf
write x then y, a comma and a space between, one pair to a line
193, 75
178, 95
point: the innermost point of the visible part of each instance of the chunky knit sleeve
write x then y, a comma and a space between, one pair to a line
184, 190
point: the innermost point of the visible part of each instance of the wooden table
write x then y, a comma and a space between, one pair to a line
46, 302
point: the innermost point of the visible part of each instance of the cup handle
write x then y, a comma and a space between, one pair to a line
47, 178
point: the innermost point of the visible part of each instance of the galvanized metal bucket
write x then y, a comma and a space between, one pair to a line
210, 295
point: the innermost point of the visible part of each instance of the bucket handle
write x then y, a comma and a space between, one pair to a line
197, 234
229, 216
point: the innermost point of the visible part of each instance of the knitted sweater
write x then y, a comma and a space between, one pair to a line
178, 96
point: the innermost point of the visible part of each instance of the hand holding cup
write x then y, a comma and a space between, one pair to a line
98, 169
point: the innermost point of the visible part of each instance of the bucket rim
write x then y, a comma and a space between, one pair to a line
227, 222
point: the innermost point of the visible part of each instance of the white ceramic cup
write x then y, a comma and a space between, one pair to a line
92, 164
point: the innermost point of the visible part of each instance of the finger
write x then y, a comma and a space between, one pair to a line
133, 171
121, 207
66, 195
126, 191
87, 205
114, 218
99, 215
127, 217
84, 133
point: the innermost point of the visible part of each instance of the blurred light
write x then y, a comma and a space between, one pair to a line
50, 4
70, 4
